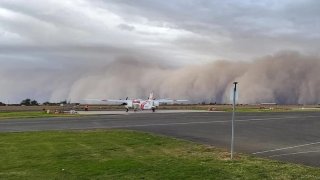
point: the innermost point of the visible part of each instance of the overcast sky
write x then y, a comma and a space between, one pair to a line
64, 35
185, 31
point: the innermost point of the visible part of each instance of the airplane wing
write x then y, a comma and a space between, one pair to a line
108, 100
116, 100
170, 100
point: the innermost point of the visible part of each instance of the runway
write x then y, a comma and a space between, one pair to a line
291, 136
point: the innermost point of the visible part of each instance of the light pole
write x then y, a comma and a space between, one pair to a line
233, 109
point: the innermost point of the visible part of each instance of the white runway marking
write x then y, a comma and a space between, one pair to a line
288, 154
140, 112
167, 124
290, 147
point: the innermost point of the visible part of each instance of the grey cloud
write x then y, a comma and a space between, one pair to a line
268, 25
273, 25
126, 27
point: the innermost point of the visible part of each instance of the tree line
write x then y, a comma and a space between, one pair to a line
30, 102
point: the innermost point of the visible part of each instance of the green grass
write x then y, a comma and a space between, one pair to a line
30, 114
116, 154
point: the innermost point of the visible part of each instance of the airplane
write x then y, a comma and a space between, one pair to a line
138, 104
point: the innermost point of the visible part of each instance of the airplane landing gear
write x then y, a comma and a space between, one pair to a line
127, 110
153, 109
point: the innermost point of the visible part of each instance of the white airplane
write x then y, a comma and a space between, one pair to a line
139, 104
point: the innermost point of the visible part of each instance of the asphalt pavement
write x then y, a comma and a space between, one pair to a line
291, 136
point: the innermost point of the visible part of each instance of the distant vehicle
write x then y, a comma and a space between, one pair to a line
139, 104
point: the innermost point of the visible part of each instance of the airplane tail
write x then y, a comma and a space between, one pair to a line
151, 96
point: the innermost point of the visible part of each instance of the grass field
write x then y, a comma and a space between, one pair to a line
30, 114
121, 154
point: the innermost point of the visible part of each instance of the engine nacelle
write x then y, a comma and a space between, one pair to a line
129, 104
156, 103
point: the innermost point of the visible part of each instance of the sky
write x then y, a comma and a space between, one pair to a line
49, 49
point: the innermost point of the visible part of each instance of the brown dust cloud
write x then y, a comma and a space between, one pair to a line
283, 78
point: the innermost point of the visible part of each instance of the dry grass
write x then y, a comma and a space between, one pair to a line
227, 107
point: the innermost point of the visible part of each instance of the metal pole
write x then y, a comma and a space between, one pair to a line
233, 109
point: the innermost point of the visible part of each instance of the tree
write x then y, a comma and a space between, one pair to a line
46, 103
64, 102
34, 103
28, 102
2, 104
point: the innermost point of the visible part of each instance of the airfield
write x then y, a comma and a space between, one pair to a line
285, 136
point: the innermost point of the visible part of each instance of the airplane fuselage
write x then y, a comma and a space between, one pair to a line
139, 104
142, 105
